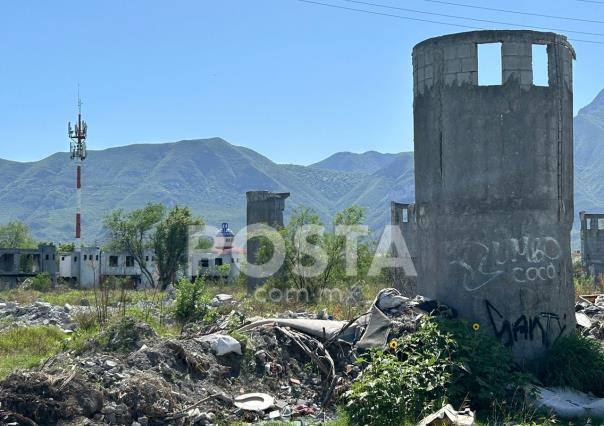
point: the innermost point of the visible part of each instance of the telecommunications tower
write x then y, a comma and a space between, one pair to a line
78, 153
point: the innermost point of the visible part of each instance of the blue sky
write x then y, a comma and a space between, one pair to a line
292, 80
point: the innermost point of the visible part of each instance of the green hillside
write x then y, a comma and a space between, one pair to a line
211, 176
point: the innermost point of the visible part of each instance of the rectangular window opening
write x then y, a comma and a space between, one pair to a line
405, 215
113, 261
540, 65
489, 64
129, 261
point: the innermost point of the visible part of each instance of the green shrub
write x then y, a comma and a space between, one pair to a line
401, 386
41, 282
444, 361
574, 361
484, 369
191, 304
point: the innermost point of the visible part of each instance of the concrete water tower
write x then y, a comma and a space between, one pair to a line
494, 185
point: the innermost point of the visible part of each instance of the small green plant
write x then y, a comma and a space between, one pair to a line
86, 320
574, 361
191, 303
409, 381
41, 282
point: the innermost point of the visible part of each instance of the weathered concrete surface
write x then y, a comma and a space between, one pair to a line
592, 243
494, 186
403, 216
263, 207
17, 264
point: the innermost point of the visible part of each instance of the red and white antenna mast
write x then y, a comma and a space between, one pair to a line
78, 153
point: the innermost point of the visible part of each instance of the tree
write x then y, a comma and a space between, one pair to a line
16, 234
170, 242
66, 247
133, 232
317, 260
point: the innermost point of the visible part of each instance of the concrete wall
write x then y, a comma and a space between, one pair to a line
494, 186
592, 243
267, 208
403, 216
89, 265
18, 264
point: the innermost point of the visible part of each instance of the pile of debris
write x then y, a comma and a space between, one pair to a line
263, 369
589, 312
38, 313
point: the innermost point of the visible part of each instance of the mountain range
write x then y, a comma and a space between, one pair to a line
211, 176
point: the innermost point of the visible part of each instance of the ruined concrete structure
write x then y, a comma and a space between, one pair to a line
403, 216
592, 243
16, 264
494, 185
266, 208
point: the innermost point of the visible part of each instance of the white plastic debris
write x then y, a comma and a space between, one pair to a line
222, 344
570, 404
449, 416
254, 401
583, 320
221, 298
390, 298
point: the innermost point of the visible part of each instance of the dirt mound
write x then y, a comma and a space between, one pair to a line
46, 399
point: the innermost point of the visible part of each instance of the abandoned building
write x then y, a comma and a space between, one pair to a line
263, 207
592, 243
494, 185
208, 262
88, 265
17, 264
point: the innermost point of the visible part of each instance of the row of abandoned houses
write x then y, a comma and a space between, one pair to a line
88, 266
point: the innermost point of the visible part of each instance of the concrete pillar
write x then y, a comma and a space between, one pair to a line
267, 208
494, 186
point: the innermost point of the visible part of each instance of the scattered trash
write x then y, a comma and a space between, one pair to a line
298, 366
254, 401
583, 320
449, 416
220, 299
222, 344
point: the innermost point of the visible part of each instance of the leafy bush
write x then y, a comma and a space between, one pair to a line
576, 362
403, 385
484, 369
191, 304
444, 361
41, 282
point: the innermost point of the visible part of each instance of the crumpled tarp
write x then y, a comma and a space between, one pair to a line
569, 403
369, 330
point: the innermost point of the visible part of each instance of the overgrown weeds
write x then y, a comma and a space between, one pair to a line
27, 347
445, 361
576, 362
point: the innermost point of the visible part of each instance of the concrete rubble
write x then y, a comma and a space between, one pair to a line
38, 313
294, 366
590, 315
129, 375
